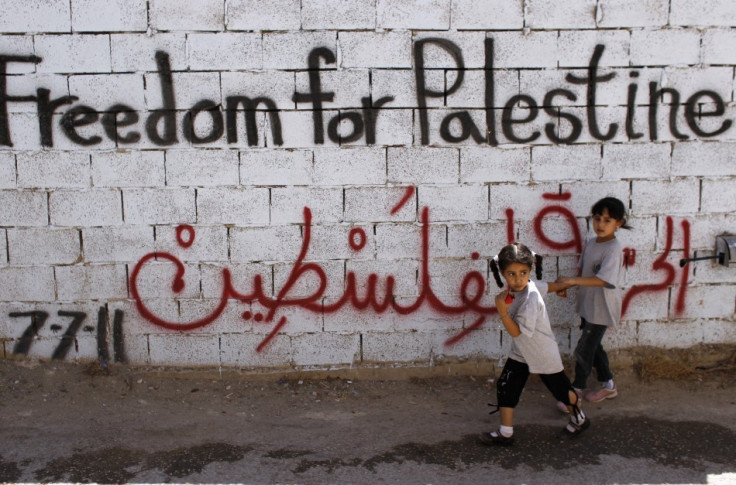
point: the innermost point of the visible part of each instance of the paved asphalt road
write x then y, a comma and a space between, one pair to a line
71, 423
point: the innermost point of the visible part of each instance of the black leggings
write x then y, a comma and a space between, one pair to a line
513, 379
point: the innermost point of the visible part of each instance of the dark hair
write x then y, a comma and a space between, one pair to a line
615, 208
515, 253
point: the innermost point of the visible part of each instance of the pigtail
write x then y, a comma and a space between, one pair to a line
494, 269
538, 265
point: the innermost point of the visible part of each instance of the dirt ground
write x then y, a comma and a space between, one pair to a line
673, 422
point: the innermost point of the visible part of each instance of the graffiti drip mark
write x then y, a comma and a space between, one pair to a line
408, 193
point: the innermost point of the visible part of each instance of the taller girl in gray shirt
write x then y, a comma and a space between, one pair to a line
599, 297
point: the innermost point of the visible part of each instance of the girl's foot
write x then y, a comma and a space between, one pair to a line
495, 438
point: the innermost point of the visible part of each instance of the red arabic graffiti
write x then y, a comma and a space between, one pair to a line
471, 290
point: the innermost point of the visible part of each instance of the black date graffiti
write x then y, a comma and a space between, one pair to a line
68, 340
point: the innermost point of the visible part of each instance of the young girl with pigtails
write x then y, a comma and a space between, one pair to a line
534, 350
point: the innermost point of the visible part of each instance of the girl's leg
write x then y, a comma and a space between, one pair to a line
508, 391
601, 365
585, 352
561, 388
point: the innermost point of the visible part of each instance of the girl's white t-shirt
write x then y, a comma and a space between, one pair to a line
601, 305
536, 346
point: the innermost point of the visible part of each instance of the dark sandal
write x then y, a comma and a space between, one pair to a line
577, 428
495, 438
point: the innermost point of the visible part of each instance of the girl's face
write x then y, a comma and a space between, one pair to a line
605, 226
516, 276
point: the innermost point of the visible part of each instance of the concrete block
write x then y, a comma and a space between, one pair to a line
299, 321
349, 319
155, 281
551, 163
276, 167
287, 204
585, 194
399, 84
73, 53
670, 335
242, 277
637, 160
691, 80
35, 16
94, 207
423, 165
225, 51
272, 243
17, 45
91, 282
240, 350
494, 164
665, 47
355, 166
488, 15
716, 46
486, 239
159, 206
392, 50
461, 203
703, 159
341, 241
719, 331
120, 244
395, 127
229, 320
525, 200
331, 273
300, 130
205, 15
137, 52
232, 205
482, 343
321, 349
53, 170
348, 86
471, 45
290, 50
397, 346
711, 12
471, 93
679, 196
413, 14
210, 243
554, 236
548, 14
647, 306
632, 13
201, 168
278, 86
190, 88
376, 204
184, 350
448, 276
7, 170
708, 302
101, 92
43, 246
131, 168
717, 196
403, 273
576, 47
622, 336
263, 16
29, 283
404, 241
119, 16
338, 15
525, 50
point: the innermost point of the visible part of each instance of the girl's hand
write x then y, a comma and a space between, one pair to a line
503, 301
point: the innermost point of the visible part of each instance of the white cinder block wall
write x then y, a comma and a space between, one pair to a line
322, 183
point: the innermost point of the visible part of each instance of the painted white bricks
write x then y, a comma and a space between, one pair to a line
87, 190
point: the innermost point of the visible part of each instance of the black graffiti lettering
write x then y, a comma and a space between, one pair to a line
71, 332
423, 92
490, 94
654, 96
591, 81
315, 94
250, 106
102, 351
467, 128
117, 337
167, 114
355, 120
118, 116
691, 113
4, 98
38, 318
80, 116
218, 128
631, 109
46, 108
508, 121
550, 128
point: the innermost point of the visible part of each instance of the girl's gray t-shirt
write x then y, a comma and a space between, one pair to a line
601, 304
536, 346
